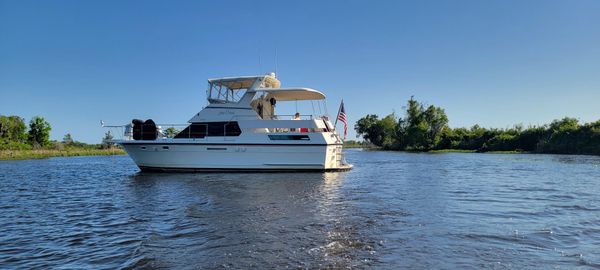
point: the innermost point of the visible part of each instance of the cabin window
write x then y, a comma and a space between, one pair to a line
216, 129
289, 137
195, 130
232, 129
211, 129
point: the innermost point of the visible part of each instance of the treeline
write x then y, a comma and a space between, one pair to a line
426, 128
16, 135
356, 144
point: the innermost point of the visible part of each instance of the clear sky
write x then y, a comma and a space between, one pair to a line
493, 63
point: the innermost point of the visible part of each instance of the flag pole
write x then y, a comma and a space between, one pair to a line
338, 114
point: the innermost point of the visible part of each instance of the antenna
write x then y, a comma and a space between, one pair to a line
259, 62
276, 74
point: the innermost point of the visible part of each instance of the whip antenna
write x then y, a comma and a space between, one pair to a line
259, 62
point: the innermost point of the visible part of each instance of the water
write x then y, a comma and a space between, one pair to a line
394, 210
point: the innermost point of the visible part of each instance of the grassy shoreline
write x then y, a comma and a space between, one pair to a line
447, 151
475, 151
47, 153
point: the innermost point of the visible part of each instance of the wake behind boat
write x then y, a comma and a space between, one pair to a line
240, 131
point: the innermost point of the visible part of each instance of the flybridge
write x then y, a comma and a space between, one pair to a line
243, 90
232, 89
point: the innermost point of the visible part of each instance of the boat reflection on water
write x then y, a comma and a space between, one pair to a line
244, 220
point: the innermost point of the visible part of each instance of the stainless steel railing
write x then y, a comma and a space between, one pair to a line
126, 132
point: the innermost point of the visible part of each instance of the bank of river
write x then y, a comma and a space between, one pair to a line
394, 210
46, 153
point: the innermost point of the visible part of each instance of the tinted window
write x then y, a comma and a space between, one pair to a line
232, 129
212, 129
224, 129
216, 129
195, 130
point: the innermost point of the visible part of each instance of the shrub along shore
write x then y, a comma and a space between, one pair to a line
426, 129
19, 141
46, 153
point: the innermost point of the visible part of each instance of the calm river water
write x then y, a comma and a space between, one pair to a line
394, 210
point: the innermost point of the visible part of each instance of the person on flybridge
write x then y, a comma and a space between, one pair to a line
295, 117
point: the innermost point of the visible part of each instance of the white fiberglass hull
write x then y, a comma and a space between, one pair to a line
235, 157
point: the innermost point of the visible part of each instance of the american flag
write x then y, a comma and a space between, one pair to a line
342, 117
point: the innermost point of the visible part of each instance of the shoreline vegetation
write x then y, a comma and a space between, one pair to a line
19, 141
352, 144
47, 153
425, 129
375, 148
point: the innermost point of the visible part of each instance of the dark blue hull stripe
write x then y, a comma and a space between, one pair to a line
228, 144
166, 169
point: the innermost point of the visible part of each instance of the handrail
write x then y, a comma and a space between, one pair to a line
291, 116
127, 132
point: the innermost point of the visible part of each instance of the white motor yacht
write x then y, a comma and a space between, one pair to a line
239, 130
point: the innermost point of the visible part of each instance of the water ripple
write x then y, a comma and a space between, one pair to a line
393, 211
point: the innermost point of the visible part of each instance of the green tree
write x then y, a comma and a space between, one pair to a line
529, 138
366, 127
436, 121
379, 132
107, 140
12, 129
566, 124
67, 139
421, 129
171, 132
39, 132
501, 142
564, 136
387, 127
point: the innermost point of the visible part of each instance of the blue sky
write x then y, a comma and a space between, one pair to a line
493, 63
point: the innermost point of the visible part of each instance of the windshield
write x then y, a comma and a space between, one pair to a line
220, 93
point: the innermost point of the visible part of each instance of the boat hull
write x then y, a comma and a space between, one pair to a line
261, 170
212, 157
